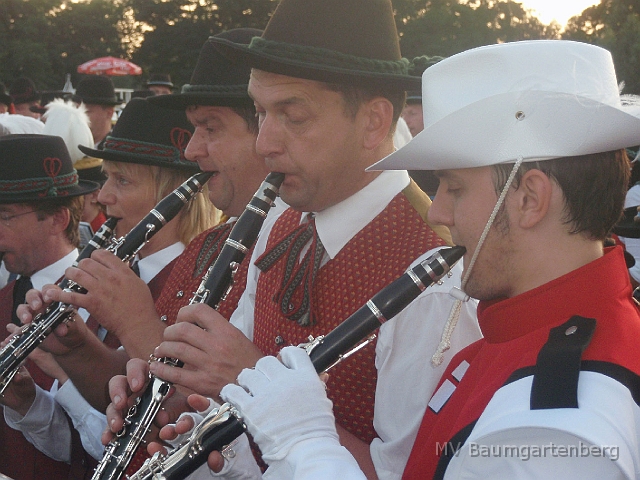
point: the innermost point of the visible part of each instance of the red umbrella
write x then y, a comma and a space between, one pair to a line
109, 66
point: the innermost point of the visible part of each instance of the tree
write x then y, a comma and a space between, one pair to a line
23, 52
614, 25
44, 39
446, 27
177, 30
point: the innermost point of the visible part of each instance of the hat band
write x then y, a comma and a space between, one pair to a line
47, 186
324, 57
179, 137
218, 89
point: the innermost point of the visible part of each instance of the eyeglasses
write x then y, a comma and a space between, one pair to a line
5, 218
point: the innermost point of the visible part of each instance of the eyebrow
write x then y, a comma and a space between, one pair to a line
295, 100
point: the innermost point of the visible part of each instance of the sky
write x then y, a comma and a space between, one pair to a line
560, 10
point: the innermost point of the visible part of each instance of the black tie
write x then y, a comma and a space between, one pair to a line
20, 289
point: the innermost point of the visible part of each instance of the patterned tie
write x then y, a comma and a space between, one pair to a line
20, 289
295, 294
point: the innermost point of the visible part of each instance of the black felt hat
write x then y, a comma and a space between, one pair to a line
161, 79
38, 167
216, 80
149, 135
334, 41
97, 90
5, 98
23, 90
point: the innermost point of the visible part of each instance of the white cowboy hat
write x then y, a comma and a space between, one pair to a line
537, 100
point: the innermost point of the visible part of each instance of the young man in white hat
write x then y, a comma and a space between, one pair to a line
528, 139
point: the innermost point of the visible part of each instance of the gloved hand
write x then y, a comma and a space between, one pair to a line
283, 403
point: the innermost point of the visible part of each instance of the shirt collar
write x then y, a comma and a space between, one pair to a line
338, 224
151, 265
580, 292
51, 274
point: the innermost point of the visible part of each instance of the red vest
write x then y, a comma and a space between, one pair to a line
191, 266
374, 257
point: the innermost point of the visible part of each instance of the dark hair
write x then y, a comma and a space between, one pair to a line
594, 188
355, 95
248, 113
50, 207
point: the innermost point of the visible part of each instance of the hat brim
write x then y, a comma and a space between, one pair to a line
84, 187
500, 129
180, 101
292, 67
138, 159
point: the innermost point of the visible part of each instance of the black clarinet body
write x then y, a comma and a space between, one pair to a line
218, 280
34, 333
215, 285
219, 427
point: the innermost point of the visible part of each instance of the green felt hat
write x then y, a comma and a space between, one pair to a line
335, 41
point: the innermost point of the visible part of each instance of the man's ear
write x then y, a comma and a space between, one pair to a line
534, 198
60, 219
378, 115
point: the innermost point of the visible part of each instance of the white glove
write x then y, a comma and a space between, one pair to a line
283, 403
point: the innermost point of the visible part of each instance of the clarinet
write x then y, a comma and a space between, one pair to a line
33, 334
125, 248
223, 425
214, 287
